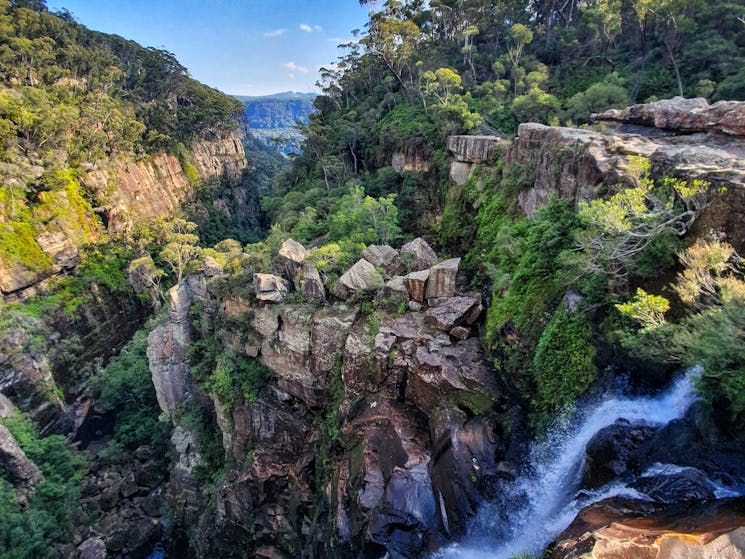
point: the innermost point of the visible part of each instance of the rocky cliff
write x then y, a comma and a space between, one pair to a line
372, 418
687, 139
125, 191
45, 359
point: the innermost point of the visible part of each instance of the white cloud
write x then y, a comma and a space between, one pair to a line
275, 33
318, 28
305, 27
292, 67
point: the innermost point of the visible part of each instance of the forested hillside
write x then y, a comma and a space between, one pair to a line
421, 72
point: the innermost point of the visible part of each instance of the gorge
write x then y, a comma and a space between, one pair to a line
493, 308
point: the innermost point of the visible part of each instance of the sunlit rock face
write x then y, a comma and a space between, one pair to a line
687, 139
406, 386
630, 529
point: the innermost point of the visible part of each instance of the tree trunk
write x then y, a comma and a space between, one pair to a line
675, 67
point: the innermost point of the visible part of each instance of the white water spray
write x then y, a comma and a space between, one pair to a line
542, 501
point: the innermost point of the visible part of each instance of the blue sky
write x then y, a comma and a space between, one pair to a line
242, 47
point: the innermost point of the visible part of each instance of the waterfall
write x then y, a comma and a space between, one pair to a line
542, 501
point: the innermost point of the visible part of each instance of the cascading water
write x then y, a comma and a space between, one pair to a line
542, 501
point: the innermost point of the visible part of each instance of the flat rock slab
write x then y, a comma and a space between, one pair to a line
450, 312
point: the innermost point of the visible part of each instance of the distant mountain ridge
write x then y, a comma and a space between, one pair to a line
273, 118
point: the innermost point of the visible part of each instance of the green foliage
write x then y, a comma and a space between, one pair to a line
609, 94
711, 337
536, 106
526, 278
18, 247
646, 308
126, 388
617, 230
563, 364
202, 422
234, 374
358, 218
32, 532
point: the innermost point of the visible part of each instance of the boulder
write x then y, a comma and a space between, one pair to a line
270, 288
611, 452
418, 255
416, 283
361, 277
14, 464
308, 281
211, 267
621, 528
449, 312
441, 282
688, 484
92, 548
384, 256
290, 257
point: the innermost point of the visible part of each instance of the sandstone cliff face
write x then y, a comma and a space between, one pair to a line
130, 191
403, 471
410, 160
686, 139
126, 192
468, 151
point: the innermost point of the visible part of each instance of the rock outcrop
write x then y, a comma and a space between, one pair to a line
15, 466
691, 144
126, 192
620, 528
468, 151
376, 378
168, 346
684, 116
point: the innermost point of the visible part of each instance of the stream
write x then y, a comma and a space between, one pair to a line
543, 500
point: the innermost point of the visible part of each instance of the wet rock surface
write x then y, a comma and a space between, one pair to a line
631, 529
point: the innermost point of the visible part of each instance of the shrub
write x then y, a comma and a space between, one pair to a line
563, 364
34, 532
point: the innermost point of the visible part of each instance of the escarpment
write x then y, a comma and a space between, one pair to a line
125, 191
367, 409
